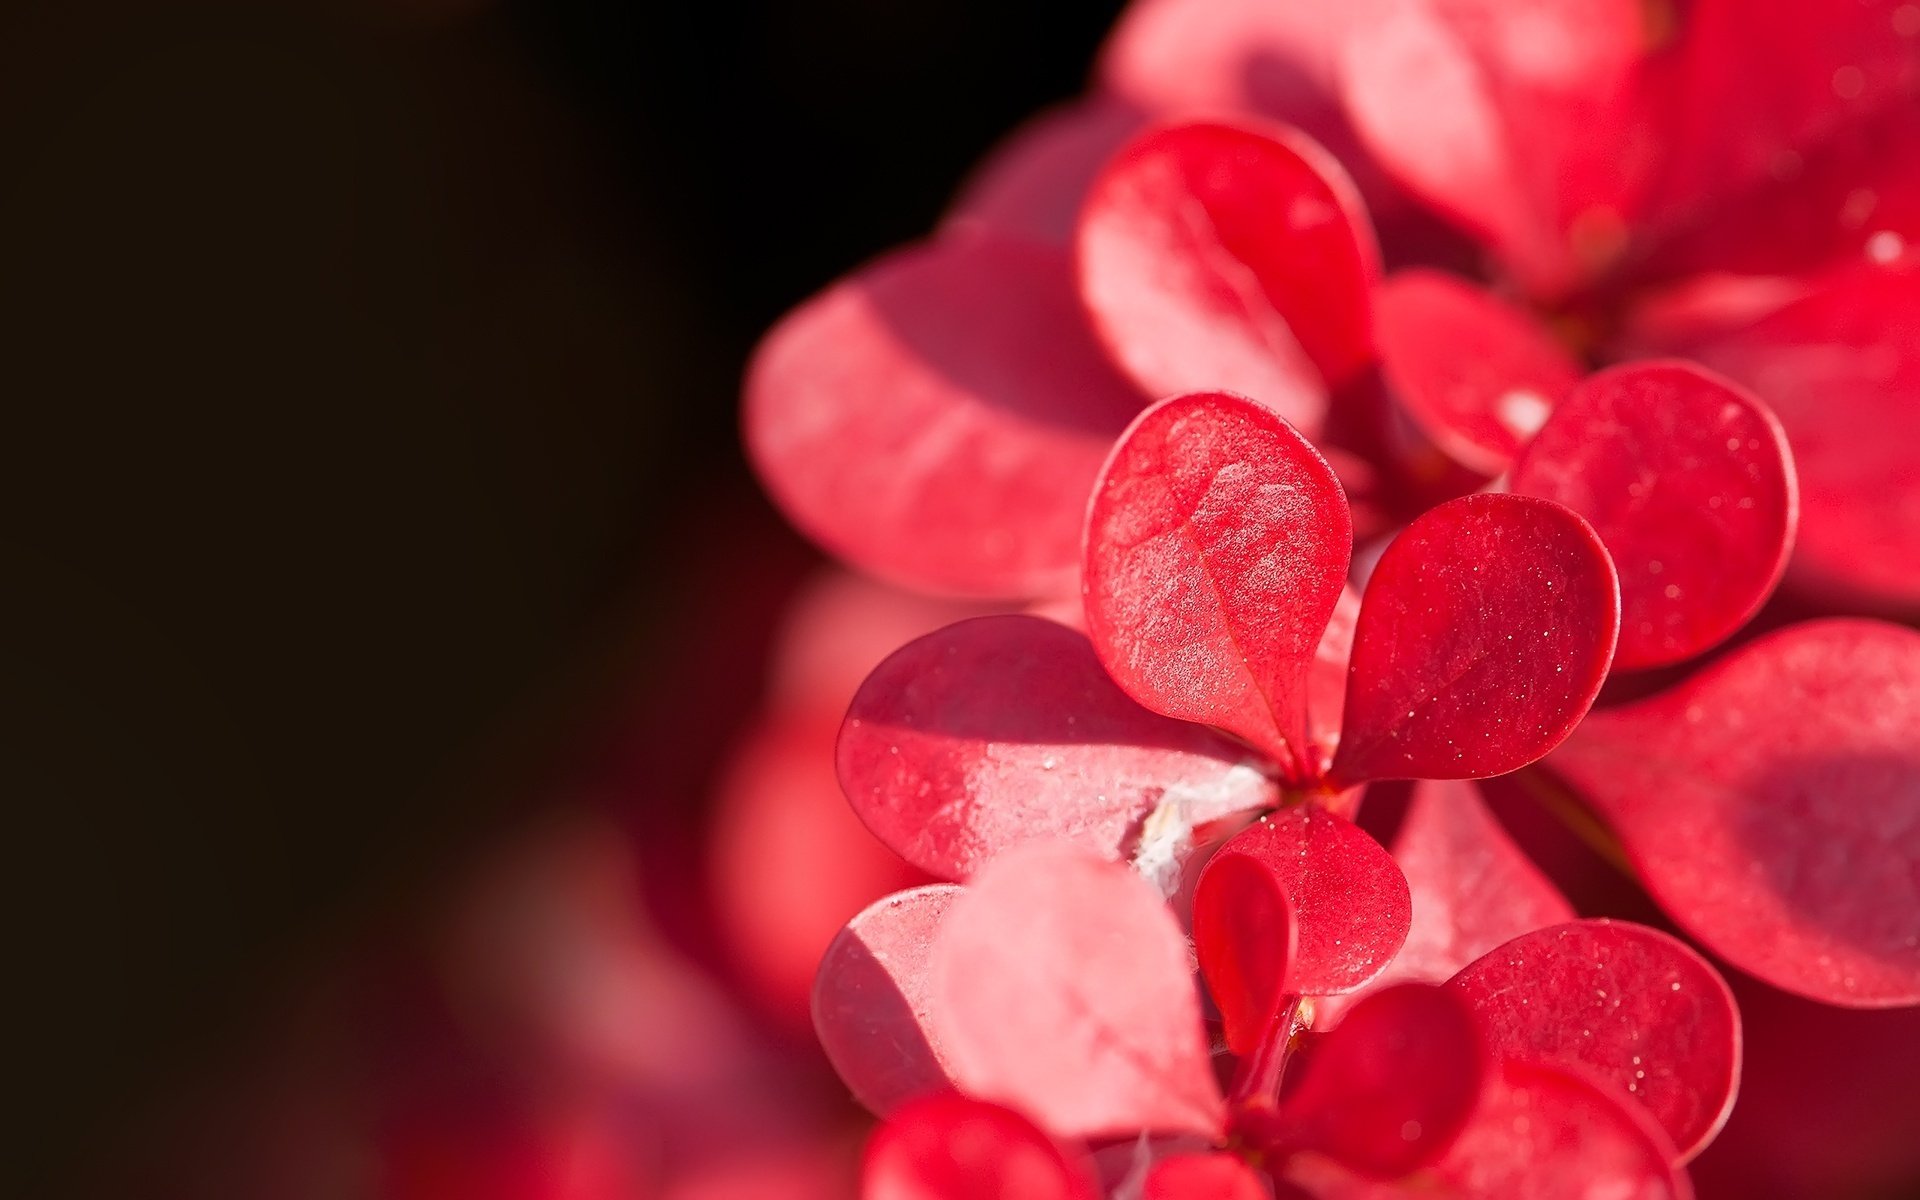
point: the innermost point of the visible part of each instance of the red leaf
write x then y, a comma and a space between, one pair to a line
1229, 257
1476, 374
1244, 934
1202, 1177
1031, 185
1327, 679
871, 999
1771, 803
1348, 899
1689, 482
938, 417
1388, 1091
1636, 1006
953, 1148
1062, 987
1217, 547
1002, 729
1484, 635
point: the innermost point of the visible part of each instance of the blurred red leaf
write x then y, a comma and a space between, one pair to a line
953, 1148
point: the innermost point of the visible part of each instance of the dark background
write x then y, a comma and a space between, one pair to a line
370, 370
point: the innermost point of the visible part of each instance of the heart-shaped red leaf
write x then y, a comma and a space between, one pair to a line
871, 999
1217, 548
1689, 482
1031, 185
1348, 899
1244, 935
1230, 257
1062, 987
954, 1148
1484, 635
1202, 1177
1476, 374
938, 417
1636, 1006
1771, 804
1003, 729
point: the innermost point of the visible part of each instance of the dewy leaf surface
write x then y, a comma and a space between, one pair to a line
1484, 635
1217, 548
1062, 987
1003, 729
1689, 482
1771, 804
1639, 1008
954, 1148
1244, 936
937, 417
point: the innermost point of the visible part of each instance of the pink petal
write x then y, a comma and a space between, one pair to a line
1347, 897
871, 999
1217, 546
1030, 185
1476, 374
1639, 1008
1234, 258
1202, 1177
937, 418
1062, 987
1689, 482
1771, 803
953, 1148
1484, 635
999, 730
1244, 935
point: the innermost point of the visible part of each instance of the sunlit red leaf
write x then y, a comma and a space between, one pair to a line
1202, 1177
1476, 374
1062, 987
938, 417
999, 730
1217, 547
1689, 482
1636, 1006
1771, 804
871, 999
1238, 258
1244, 936
1031, 184
954, 1148
1484, 635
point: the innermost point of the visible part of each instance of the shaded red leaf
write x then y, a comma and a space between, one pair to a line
1639, 1008
1239, 258
1348, 899
1327, 678
938, 417
1202, 1177
953, 1148
1771, 804
1244, 935
871, 999
1476, 374
1217, 548
1003, 729
1484, 635
1689, 482
1062, 987
1032, 183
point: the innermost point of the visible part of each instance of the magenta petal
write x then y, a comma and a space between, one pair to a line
1062, 987
1634, 1005
1202, 1177
1348, 899
1689, 482
937, 417
1484, 635
1476, 374
1244, 935
1031, 185
1232, 258
870, 999
1771, 804
1217, 547
999, 730
953, 1148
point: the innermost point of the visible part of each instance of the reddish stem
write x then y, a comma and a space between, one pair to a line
1256, 1083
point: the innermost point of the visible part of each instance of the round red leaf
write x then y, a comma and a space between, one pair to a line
953, 1148
1202, 1177
1217, 548
1243, 933
1771, 804
1636, 1006
1003, 729
1031, 184
870, 999
1230, 257
1689, 482
1484, 635
938, 417
1061, 986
